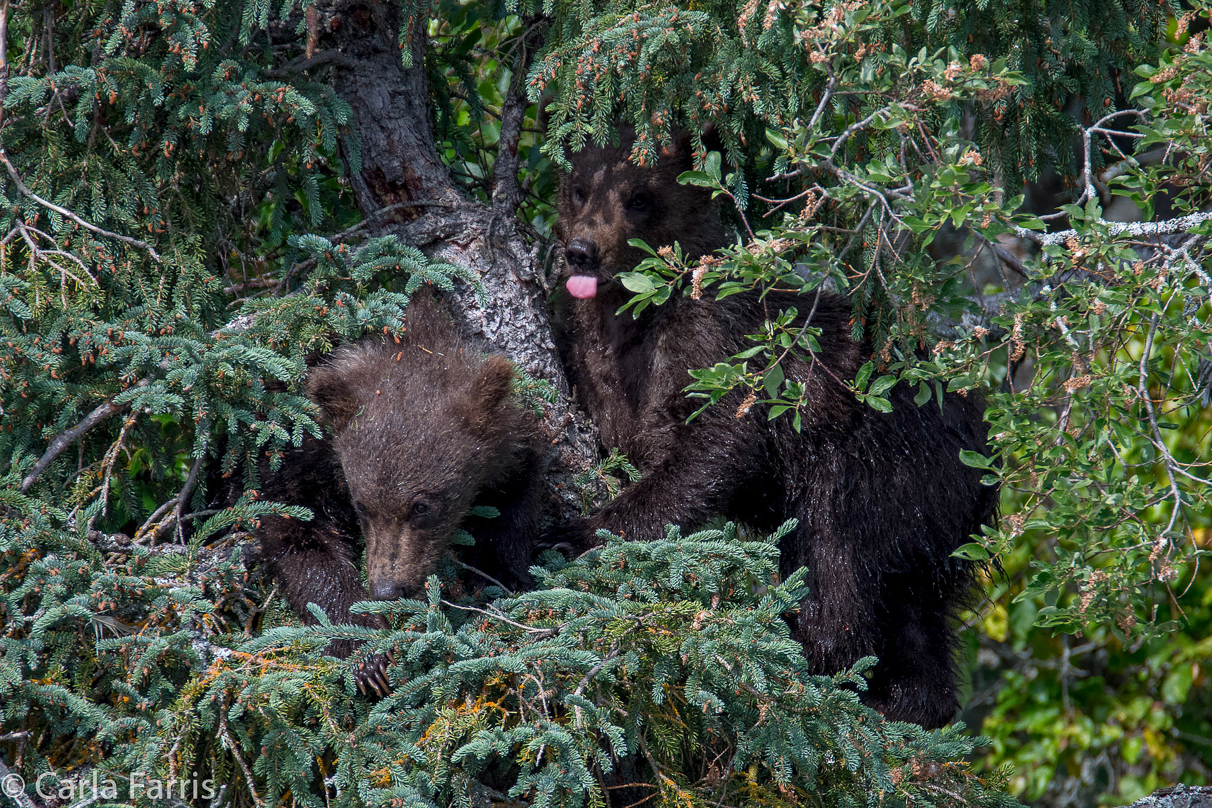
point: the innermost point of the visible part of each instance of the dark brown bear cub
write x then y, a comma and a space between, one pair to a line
882, 499
422, 429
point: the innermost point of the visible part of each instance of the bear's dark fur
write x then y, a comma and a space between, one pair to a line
882, 499
422, 429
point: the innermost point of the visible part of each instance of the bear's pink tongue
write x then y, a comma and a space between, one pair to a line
582, 286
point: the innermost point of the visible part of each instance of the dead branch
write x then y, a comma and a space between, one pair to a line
66, 438
26, 192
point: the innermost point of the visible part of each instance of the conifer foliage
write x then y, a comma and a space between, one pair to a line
199, 197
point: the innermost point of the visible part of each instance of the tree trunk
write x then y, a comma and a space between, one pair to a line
400, 166
1177, 797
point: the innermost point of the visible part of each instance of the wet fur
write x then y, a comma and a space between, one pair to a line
882, 499
422, 420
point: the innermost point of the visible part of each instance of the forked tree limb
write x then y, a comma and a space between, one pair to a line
26, 192
68, 437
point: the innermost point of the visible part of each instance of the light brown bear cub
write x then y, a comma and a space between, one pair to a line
422, 430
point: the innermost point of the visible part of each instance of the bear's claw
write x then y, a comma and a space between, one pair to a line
372, 676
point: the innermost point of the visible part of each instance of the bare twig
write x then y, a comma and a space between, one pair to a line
1143, 391
1088, 181
1179, 225
610, 656
232, 744
826, 97
505, 193
188, 488
306, 62
502, 618
381, 212
65, 439
3, 56
26, 192
108, 463
18, 796
485, 576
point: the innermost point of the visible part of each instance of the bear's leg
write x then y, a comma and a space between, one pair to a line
915, 679
693, 476
836, 622
314, 563
317, 561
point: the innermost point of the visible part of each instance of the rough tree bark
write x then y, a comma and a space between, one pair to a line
400, 166
1177, 797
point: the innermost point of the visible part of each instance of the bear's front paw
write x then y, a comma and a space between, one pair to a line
572, 537
372, 676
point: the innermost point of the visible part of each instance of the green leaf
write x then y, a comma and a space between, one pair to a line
976, 460
882, 385
972, 551
698, 178
880, 404
640, 244
774, 379
864, 373
1178, 683
637, 282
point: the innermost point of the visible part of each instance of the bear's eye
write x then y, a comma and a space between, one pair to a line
640, 202
578, 194
360, 509
420, 508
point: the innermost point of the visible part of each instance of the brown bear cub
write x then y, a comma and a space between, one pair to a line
882, 499
423, 428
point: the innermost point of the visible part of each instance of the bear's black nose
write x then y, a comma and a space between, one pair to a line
386, 590
581, 253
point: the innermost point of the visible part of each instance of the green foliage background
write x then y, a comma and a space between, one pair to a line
178, 126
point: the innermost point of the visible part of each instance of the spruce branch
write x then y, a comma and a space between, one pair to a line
67, 438
26, 192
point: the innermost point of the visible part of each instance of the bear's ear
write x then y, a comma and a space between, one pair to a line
679, 151
328, 387
494, 382
681, 148
489, 390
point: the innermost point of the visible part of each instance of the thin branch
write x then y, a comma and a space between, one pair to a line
501, 617
232, 744
505, 194
26, 192
1165, 227
610, 656
485, 576
18, 796
825, 98
1143, 390
305, 62
3, 56
65, 439
188, 488
383, 211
